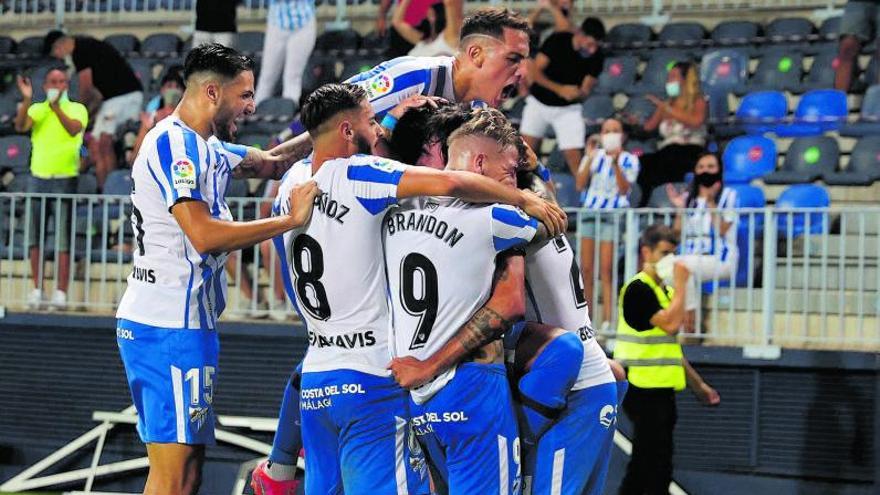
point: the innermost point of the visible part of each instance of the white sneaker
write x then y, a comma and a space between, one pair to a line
278, 311
59, 300
35, 299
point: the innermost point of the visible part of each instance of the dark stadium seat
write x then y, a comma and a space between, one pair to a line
30, 47
736, 33
682, 35
747, 158
761, 111
355, 65
124, 43
660, 198
375, 44
863, 168
345, 40
251, 42
639, 107
822, 72
779, 69
618, 75
566, 193
15, 153
161, 45
654, 76
118, 183
802, 196
256, 140
86, 184
556, 162
595, 110
869, 76
7, 45
819, 111
320, 70
629, 36
830, 29
790, 32
725, 70
638, 147
272, 115
143, 69
807, 159
869, 116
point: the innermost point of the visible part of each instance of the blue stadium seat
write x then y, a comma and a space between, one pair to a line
818, 112
725, 70
251, 43
124, 43
747, 158
654, 76
7, 45
736, 33
161, 45
807, 159
822, 72
86, 184
118, 183
566, 193
629, 36
779, 70
863, 168
618, 75
682, 34
30, 47
790, 32
761, 111
802, 196
639, 107
595, 110
830, 29
869, 116
15, 154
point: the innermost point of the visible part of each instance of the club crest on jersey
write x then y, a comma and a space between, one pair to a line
183, 174
378, 86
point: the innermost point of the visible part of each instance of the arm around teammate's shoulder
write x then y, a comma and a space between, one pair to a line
210, 235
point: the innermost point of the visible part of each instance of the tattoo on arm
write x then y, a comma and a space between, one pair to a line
485, 326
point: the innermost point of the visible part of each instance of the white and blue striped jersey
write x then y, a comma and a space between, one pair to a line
440, 254
333, 267
393, 81
171, 284
290, 15
555, 296
603, 193
699, 233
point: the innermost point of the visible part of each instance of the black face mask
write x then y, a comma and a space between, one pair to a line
706, 179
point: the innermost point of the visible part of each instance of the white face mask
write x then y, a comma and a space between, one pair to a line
673, 89
612, 141
52, 94
665, 268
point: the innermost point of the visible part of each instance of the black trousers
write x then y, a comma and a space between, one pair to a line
653, 414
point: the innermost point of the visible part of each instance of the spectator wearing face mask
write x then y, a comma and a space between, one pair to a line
563, 74
708, 229
610, 173
56, 127
162, 105
681, 120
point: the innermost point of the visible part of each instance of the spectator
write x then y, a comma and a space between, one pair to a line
563, 75
858, 26
559, 9
709, 248
215, 22
682, 123
161, 106
413, 14
56, 127
108, 87
438, 32
291, 29
610, 173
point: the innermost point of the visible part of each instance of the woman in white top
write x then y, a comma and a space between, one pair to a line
436, 35
708, 246
610, 173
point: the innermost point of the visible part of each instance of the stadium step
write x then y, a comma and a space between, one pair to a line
798, 301
814, 276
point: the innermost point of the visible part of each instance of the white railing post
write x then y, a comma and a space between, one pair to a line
59, 14
769, 276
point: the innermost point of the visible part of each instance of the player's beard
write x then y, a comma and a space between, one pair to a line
224, 130
364, 147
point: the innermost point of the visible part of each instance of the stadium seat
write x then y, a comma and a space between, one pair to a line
86, 184
596, 109
747, 158
345, 40
143, 69
161, 45
869, 115
30, 47
272, 115
251, 43
375, 44
355, 65
761, 111
118, 183
639, 148
790, 32
822, 72
15, 153
682, 34
256, 140
660, 198
807, 159
566, 193
863, 168
639, 107
830, 29
7, 45
124, 43
736, 33
556, 162
618, 75
628, 36
320, 70
778, 69
802, 196
238, 188
654, 76
725, 71
819, 111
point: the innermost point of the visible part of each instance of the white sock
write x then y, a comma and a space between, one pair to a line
281, 472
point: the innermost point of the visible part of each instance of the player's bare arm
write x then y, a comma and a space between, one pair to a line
505, 307
262, 164
294, 149
210, 235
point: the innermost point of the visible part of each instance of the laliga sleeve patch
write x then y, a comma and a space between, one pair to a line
378, 86
183, 174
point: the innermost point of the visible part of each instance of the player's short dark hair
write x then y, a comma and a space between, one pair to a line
50, 39
218, 59
412, 132
657, 233
446, 121
491, 21
329, 100
593, 26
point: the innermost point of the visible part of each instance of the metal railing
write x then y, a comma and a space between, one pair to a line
805, 277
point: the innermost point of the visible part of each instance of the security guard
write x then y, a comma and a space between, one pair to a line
650, 315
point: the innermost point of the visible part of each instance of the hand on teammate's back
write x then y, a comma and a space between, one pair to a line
548, 213
302, 200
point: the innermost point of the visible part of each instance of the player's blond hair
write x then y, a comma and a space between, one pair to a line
491, 124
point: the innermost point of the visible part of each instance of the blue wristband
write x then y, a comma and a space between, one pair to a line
389, 122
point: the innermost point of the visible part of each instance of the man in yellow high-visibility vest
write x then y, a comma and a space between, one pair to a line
650, 315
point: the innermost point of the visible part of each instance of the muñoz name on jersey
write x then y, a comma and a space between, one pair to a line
440, 254
393, 81
555, 296
171, 284
333, 267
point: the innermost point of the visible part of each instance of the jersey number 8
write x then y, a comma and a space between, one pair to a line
307, 261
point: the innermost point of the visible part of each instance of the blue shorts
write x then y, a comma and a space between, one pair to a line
469, 432
171, 374
572, 455
357, 437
